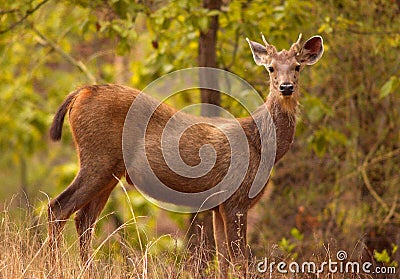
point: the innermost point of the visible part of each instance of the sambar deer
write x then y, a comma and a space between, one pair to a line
97, 114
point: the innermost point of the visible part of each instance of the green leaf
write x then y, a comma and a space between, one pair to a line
296, 234
326, 138
286, 245
389, 86
315, 108
213, 13
123, 47
382, 257
395, 248
203, 23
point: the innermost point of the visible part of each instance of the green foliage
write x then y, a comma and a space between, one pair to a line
297, 234
385, 257
325, 138
315, 108
391, 86
288, 247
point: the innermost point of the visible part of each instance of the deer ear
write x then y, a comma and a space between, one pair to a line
311, 51
259, 52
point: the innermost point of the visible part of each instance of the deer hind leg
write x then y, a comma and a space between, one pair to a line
235, 222
221, 245
85, 220
86, 186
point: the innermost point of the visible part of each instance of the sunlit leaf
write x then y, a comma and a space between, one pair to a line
389, 87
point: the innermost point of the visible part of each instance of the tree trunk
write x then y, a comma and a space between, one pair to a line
208, 58
201, 236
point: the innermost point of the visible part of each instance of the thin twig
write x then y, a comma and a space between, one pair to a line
79, 64
373, 161
392, 210
235, 49
376, 196
22, 19
385, 156
363, 171
372, 190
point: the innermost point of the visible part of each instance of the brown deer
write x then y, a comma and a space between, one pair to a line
97, 114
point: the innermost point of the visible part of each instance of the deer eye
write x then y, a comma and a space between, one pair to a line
270, 69
297, 68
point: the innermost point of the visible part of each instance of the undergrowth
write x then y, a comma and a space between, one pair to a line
24, 254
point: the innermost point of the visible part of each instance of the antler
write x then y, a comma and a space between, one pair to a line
295, 48
270, 48
264, 40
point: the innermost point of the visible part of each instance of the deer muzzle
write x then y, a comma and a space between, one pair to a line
286, 89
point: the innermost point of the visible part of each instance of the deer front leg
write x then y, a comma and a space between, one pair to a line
220, 245
235, 222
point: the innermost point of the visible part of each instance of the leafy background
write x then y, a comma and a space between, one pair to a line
337, 188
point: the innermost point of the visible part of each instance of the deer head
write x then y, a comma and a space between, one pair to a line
285, 66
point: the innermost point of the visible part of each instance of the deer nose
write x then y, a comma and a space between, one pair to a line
286, 88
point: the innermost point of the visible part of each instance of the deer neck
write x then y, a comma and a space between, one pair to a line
284, 122
283, 113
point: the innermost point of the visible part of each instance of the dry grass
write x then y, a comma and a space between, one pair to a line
24, 254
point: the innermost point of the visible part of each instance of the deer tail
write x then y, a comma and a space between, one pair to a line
57, 125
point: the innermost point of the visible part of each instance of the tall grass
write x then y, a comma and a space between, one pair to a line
24, 254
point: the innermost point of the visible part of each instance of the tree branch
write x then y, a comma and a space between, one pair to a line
22, 19
372, 33
235, 49
375, 195
392, 210
373, 161
8, 11
362, 169
79, 64
372, 190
